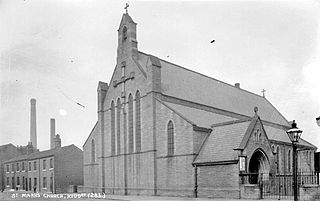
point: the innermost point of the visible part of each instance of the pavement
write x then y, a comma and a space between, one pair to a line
8, 196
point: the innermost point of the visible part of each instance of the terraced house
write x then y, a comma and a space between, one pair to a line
52, 170
163, 129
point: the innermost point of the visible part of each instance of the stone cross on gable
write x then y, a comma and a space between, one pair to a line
126, 7
123, 79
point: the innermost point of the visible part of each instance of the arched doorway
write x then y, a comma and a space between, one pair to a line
258, 165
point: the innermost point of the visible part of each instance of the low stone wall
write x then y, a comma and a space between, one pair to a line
249, 191
310, 193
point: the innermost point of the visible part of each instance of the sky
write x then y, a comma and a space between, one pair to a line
57, 50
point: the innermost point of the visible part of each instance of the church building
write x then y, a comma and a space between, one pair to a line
163, 129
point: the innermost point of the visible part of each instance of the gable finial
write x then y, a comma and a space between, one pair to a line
126, 7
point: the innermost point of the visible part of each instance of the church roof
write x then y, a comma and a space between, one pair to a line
182, 83
189, 85
199, 117
280, 135
221, 142
224, 139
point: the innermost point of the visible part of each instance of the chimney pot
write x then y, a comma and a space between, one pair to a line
237, 85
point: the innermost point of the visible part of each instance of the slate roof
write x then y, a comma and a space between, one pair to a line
5, 146
40, 154
279, 134
221, 142
186, 84
201, 118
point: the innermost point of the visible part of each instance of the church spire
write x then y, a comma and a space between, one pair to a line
127, 41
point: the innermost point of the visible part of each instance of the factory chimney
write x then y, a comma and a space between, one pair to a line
52, 133
33, 123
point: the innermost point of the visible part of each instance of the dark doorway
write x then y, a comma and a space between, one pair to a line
258, 166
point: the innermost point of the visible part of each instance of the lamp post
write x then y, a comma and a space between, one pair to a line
294, 134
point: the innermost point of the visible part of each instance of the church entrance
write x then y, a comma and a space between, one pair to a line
259, 167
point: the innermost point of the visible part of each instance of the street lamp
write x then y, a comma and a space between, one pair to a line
294, 134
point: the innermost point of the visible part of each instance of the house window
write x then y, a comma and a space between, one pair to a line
93, 151
170, 131
18, 181
112, 128
23, 168
29, 166
130, 123
34, 165
44, 164
8, 181
8, 168
118, 124
44, 183
138, 122
35, 182
12, 167
30, 183
51, 163
17, 166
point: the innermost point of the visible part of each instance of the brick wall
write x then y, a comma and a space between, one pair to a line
68, 165
219, 181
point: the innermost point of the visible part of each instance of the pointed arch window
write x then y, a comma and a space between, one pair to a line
138, 122
118, 124
93, 151
170, 131
124, 33
289, 161
130, 123
112, 128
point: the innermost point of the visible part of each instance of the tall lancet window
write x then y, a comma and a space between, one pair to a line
118, 124
138, 122
130, 123
124, 33
113, 133
93, 151
170, 131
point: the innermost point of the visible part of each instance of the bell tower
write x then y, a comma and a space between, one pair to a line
127, 38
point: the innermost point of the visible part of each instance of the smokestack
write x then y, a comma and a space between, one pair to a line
52, 133
33, 123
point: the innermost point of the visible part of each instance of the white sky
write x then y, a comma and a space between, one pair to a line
56, 51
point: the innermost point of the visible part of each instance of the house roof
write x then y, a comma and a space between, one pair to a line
186, 84
5, 146
40, 154
221, 142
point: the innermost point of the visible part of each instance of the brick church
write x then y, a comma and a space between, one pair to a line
163, 129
